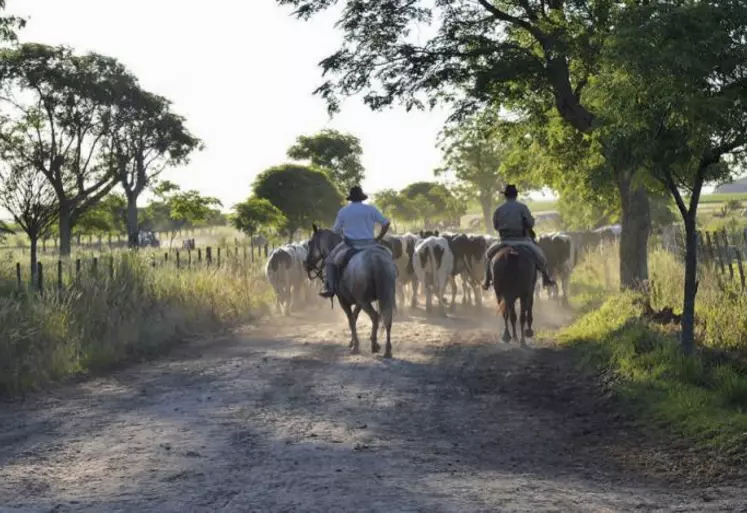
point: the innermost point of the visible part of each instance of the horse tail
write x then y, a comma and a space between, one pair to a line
385, 287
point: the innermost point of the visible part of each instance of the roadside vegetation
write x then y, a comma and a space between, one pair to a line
633, 340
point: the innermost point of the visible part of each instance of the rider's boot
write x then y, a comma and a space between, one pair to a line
330, 275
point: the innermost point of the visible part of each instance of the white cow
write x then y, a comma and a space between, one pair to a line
433, 263
286, 274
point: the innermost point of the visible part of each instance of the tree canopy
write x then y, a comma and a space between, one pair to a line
336, 153
303, 194
255, 214
58, 110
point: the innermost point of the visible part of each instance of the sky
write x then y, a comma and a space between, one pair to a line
243, 77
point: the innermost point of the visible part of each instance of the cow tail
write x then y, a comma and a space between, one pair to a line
434, 271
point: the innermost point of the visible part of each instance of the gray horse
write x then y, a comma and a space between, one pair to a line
369, 276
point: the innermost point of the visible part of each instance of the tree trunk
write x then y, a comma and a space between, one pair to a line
636, 225
691, 284
486, 203
33, 251
132, 226
65, 229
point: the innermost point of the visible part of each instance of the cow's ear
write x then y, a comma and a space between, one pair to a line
313, 227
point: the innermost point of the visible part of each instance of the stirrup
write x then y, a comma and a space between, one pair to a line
327, 293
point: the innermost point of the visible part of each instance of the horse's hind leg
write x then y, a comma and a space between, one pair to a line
352, 320
512, 312
374, 315
529, 307
506, 314
354, 335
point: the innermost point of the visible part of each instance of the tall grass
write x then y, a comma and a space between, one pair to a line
96, 322
702, 398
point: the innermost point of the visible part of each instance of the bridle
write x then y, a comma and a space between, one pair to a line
313, 267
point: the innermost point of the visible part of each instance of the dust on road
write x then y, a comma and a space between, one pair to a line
280, 418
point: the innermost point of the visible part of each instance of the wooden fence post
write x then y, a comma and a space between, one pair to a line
189, 258
166, 258
111, 267
738, 255
178, 262
77, 268
209, 255
717, 247
709, 246
218, 256
18, 274
725, 238
266, 248
95, 266
199, 255
59, 275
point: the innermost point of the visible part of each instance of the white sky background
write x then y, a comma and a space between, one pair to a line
242, 72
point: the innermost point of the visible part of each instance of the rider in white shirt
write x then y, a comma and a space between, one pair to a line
355, 222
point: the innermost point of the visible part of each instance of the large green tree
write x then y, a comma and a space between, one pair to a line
527, 55
303, 194
147, 137
674, 91
57, 113
336, 153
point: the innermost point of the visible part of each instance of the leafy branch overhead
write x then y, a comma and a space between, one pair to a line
477, 52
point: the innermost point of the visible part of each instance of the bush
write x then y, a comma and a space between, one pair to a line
99, 322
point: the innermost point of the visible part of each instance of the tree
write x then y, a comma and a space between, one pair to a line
58, 112
674, 90
181, 209
30, 199
526, 55
255, 214
107, 216
473, 154
147, 138
431, 202
336, 153
304, 195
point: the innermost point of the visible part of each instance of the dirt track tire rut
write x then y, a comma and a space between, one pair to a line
280, 418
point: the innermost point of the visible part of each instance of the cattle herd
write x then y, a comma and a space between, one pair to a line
435, 260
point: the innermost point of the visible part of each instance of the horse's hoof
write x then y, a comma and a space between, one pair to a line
388, 354
506, 338
375, 348
530, 333
355, 350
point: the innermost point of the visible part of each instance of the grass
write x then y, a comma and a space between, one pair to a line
97, 322
702, 399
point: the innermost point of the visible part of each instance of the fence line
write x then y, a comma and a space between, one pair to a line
178, 259
722, 251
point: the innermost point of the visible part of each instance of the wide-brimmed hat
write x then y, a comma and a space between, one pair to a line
510, 190
356, 194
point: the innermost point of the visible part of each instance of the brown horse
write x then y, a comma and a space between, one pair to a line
514, 277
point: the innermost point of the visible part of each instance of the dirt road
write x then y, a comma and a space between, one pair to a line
280, 418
